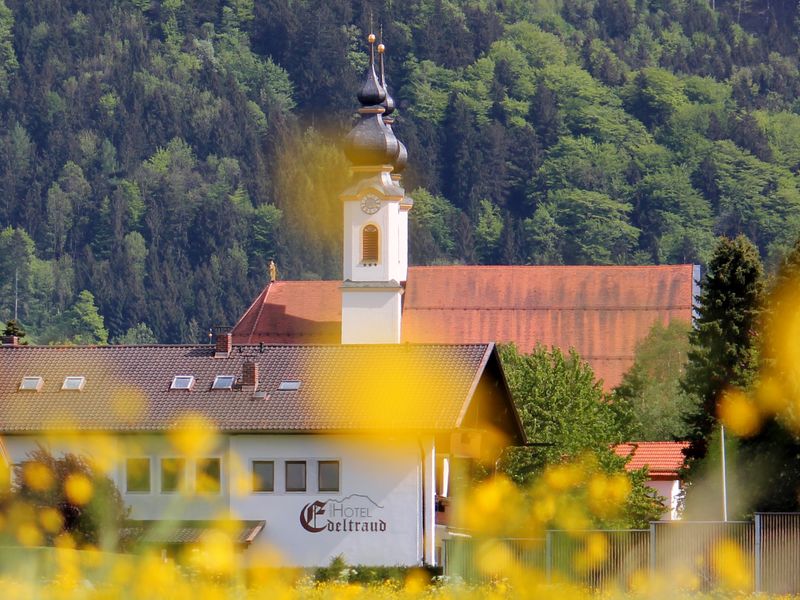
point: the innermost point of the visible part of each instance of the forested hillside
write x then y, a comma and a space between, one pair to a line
158, 154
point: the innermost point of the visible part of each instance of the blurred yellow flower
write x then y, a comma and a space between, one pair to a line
78, 489
194, 435
28, 534
731, 567
51, 519
37, 476
739, 413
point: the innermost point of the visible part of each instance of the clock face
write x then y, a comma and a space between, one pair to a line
370, 204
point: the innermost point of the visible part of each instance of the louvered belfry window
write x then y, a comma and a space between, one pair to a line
369, 245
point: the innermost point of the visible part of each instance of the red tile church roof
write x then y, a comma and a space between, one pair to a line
663, 459
602, 312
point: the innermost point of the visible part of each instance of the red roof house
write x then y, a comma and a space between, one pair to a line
664, 461
601, 311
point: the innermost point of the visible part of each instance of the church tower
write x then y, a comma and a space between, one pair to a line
375, 219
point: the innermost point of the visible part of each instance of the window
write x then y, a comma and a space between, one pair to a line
369, 245
295, 476
182, 382
74, 383
289, 386
137, 475
173, 471
263, 476
31, 384
328, 476
223, 382
207, 475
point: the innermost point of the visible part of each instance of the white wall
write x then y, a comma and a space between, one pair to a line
380, 482
371, 316
670, 490
386, 470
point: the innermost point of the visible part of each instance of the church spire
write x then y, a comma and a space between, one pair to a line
375, 257
401, 158
371, 143
371, 92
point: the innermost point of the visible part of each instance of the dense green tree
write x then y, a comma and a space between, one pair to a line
724, 342
650, 391
566, 414
138, 334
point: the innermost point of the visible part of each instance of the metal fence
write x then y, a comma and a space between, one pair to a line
765, 553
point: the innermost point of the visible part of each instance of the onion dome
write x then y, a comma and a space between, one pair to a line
401, 159
372, 92
371, 142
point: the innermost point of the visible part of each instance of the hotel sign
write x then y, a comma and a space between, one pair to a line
356, 513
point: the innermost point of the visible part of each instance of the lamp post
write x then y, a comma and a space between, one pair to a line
724, 476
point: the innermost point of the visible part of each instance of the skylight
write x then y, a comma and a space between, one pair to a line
31, 384
182, 382
74, 383
289, 386
223, 382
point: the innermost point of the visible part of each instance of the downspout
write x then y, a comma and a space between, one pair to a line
422, 486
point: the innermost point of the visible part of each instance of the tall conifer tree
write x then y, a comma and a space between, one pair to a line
724, 345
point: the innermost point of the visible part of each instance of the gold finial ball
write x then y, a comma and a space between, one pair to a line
371, 38
381, 48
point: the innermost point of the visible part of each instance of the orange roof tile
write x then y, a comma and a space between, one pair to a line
601, 311
663, 459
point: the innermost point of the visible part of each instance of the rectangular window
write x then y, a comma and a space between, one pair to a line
223, 382
328, 476
31, 384
173, 473
295, 476
263, 476
207, 475
182, 382
74, 383
137, 475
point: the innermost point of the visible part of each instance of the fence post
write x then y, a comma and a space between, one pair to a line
758, 552
548, 556
652, 548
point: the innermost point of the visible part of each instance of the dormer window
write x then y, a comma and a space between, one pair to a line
31, 384
74, 383
223, 382
182, 382
369, 245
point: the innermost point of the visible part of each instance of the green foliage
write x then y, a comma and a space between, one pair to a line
96, 519
138, 334
564, 410
561, 405
430, 225
724, 344
651, 392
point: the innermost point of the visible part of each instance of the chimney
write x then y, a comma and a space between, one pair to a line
224, 345
10, 340
249, 376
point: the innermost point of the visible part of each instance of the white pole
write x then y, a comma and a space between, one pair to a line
724, 476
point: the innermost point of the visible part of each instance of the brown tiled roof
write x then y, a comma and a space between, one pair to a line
601, 311
662, 459
342, 388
